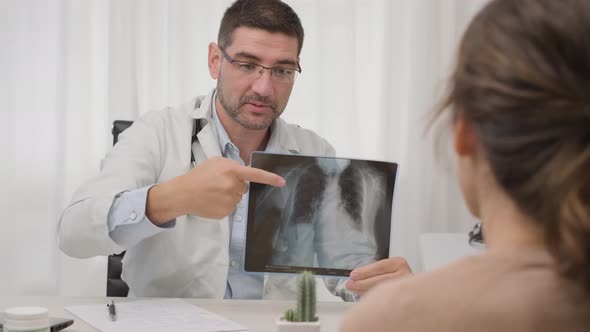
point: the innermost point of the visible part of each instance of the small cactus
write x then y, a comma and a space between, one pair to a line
306, 300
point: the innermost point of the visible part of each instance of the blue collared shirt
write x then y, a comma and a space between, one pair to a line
240, 285
128, 224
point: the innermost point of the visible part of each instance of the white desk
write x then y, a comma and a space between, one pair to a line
258, 316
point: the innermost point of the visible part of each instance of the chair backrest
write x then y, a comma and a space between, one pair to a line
115, 285
119, 126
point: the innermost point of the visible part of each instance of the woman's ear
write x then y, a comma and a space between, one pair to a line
214, 60
464, 137
466, 148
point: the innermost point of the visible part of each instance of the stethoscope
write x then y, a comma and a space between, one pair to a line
197, 127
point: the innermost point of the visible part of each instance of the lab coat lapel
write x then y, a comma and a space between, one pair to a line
208, 146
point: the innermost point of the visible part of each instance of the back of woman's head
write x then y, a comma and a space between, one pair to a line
522, 81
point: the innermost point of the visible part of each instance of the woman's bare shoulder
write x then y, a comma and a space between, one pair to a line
405, 303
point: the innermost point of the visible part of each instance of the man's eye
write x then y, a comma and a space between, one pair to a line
247, 67
282, 72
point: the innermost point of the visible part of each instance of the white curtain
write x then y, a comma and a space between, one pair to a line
372, 70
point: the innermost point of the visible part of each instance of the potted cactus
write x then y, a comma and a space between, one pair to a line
303, 318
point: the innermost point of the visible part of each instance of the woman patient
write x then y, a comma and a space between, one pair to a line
520, 104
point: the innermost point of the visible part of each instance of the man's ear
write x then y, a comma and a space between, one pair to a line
214, 60
464, 140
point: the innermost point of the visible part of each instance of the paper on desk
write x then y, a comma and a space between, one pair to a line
154, 315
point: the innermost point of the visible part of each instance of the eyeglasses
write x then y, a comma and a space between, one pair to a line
254, 71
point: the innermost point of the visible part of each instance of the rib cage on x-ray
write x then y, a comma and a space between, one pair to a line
333, 213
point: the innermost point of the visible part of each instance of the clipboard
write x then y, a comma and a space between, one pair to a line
154, 315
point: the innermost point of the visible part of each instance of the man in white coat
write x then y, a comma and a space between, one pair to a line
176, 204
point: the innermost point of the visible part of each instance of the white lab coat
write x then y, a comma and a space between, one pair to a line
191, 259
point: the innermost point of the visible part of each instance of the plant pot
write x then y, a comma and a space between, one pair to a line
286, 326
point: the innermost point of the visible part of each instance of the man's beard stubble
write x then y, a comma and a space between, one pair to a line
236, 112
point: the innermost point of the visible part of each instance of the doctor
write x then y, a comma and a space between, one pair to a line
176, 204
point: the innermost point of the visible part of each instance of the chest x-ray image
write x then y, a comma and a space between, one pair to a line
333, 215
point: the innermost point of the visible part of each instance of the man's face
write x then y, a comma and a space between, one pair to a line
253, 101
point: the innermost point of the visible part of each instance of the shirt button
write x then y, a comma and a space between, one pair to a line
234, 263
239, 217
133, 215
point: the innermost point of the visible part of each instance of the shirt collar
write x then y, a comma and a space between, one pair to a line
224, 140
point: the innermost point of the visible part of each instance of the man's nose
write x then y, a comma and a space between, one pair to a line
263, 84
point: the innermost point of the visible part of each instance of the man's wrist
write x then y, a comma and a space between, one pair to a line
162, 203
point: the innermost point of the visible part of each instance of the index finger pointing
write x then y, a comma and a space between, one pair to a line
259, 176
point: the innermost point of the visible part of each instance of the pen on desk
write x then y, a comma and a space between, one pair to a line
112, 310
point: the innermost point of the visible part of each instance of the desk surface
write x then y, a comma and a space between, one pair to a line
258, 316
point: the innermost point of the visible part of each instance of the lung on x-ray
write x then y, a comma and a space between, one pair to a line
333, 215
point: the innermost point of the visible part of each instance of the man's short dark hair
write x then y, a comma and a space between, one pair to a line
269, 15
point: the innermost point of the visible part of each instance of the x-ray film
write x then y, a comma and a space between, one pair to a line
333, 215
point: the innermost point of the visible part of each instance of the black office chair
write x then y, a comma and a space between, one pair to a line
476, 235
116, 287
